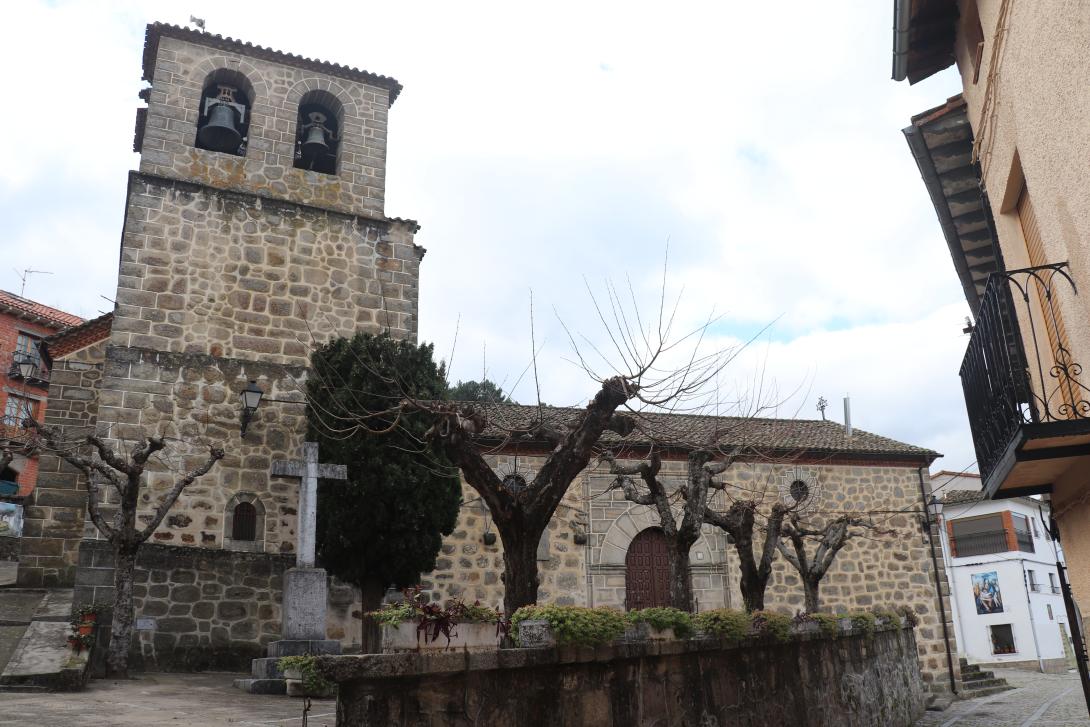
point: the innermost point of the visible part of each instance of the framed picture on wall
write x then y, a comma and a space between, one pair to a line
11, 520
986, 593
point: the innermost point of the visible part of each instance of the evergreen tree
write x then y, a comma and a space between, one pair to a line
484, 390
384, 526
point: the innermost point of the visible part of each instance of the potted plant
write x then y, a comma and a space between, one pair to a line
658, 624
416, 624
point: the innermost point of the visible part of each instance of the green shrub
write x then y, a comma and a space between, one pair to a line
664, 618
313, 682
724, 623
392, 614
575, 624
884, 612
828, 624
769, 623
863, 621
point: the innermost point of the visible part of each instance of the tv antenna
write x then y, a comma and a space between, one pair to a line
27, 273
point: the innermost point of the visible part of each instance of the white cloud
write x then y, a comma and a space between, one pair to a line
538, 145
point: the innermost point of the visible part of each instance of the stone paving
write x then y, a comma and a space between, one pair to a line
1039, 700
197, 700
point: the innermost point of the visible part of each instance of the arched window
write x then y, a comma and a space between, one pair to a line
224, 116
244, 523
318, 132
244, 526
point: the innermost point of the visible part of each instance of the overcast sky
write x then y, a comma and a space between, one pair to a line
550, 150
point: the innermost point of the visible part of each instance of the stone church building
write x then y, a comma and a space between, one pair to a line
255, 229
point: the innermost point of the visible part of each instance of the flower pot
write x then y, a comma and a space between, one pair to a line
86, 628
807, 627
294, 674
91, 617
407, 637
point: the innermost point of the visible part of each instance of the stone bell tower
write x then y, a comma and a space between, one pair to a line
254, 231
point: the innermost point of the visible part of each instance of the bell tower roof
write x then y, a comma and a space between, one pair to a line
156, 31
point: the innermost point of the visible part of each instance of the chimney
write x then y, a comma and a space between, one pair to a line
847, 417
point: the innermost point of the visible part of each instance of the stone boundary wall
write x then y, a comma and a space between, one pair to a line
196, 608
204, 608
812, 681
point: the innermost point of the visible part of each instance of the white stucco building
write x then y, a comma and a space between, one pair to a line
1004, 589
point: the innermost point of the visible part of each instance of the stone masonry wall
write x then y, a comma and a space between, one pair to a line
193, 399
890, 570
812, 681
196, 609
203, 609
230, 275
54, 513
181, 69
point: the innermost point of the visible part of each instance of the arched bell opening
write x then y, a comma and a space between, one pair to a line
224, 121
318, 132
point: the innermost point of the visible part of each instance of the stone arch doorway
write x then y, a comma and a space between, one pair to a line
647, 571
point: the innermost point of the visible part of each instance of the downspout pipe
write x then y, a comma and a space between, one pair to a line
1032, 623
902, 10
938, 582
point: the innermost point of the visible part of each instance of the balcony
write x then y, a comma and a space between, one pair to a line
1027, 403
993, 541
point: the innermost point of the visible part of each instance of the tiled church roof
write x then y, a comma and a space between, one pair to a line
687, 430
158, 30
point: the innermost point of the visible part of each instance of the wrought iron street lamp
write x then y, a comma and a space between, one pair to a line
251, 399
935, 507
26, 365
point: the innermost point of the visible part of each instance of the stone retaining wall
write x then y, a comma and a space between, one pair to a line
813, 681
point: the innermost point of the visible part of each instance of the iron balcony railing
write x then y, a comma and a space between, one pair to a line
1018, 368
992, 541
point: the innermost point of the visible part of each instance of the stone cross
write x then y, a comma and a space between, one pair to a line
308, 470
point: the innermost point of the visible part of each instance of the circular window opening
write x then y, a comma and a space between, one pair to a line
800, 490
515, 483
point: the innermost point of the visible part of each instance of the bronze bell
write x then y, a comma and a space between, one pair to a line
220, 133
314, 145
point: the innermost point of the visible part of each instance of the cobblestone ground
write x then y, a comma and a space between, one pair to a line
1040, 700
200, 700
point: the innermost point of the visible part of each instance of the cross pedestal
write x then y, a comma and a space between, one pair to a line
304, 605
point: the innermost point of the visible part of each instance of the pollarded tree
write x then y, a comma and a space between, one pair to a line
693, 496
830, 539
740, 522
121, 474
649, 370
385, 525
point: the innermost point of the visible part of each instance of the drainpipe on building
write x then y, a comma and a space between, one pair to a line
1032, 623
938, 582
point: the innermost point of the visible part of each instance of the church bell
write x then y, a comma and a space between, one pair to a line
315, 144
220, 133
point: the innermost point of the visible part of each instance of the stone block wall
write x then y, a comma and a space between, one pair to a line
180, 71
232, 275
890, 570
53, 519
193, 399
812, 681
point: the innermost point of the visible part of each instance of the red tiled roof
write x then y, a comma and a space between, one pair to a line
37, 312
77, 337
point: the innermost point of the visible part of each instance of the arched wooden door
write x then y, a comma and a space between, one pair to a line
647, 571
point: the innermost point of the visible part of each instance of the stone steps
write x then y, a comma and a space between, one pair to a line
976, 682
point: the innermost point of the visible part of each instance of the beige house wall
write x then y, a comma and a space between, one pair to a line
1037, 127
892, 569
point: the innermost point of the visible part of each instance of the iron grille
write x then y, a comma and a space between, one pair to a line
1003, 360
244, 526
994, 541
